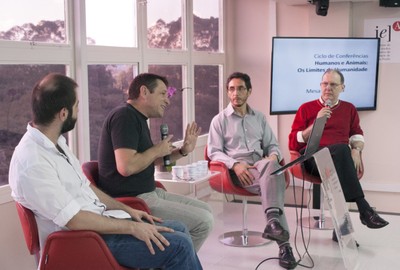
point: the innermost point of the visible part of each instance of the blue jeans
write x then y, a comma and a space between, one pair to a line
133, 253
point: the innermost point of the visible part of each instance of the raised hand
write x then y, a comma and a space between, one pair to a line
191, 135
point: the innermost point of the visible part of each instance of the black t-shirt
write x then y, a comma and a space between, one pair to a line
124, 127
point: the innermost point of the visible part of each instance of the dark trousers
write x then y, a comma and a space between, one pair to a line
344, 165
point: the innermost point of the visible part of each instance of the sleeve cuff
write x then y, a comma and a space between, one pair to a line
67, 214
356, 138
300, 138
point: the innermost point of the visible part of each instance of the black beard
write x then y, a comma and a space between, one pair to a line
69, 124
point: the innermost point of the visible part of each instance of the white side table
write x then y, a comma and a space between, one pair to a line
197, 188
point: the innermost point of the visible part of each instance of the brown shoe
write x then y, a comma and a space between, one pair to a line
286, 258
274, 231
372, 220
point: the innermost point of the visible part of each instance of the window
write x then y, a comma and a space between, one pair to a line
164, 24
110, 23
29, 37
123, 39
173, 113
206, 25
206, 84
38, 21
16, 84
108, 87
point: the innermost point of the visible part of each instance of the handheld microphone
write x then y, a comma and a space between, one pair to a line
164, 134
328, 103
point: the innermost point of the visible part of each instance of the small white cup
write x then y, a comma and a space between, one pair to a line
191, 171
177, 172
202, 167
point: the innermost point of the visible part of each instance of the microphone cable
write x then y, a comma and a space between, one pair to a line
305, 243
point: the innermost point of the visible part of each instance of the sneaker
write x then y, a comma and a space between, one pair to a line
274, 231
286, 258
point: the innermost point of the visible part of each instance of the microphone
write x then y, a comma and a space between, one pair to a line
164, 134
328, 103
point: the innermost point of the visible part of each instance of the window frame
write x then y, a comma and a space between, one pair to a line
76, 55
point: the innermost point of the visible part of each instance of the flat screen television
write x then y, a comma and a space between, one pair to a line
298, 64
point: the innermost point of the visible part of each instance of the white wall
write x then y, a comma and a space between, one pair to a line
252, 49
13, 251
380, 182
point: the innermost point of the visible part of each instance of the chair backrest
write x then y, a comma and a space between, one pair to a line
69, 249
30, 229
66, 249
91, 170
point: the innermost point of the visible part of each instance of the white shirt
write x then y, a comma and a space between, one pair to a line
49, 183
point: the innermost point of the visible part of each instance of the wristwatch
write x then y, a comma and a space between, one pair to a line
181, 152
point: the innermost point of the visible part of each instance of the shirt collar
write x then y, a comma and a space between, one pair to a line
323, 103
229, 109
42, 139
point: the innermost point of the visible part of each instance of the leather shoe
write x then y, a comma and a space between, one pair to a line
274, 231
335, 239
286, 258
372, 220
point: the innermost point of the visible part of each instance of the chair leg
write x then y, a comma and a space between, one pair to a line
320, 222
243, 238
316, 196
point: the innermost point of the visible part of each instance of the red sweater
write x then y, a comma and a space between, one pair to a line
343, 124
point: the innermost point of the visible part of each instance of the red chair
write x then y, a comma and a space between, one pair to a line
73, 249
317, 222
222, 183
66, 250
91, 171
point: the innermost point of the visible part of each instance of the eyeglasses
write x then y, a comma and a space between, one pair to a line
332, 85
239, 89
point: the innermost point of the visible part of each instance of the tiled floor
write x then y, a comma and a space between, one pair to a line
379, 249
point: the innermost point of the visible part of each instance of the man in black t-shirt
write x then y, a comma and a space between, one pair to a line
127, 156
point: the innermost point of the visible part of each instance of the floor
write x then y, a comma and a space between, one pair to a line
378, 248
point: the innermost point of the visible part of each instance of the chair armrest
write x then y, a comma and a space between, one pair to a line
160, 185
77, 250
216, 182
135, 202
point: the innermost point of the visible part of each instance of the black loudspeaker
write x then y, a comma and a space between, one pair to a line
389, 3
321, 7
